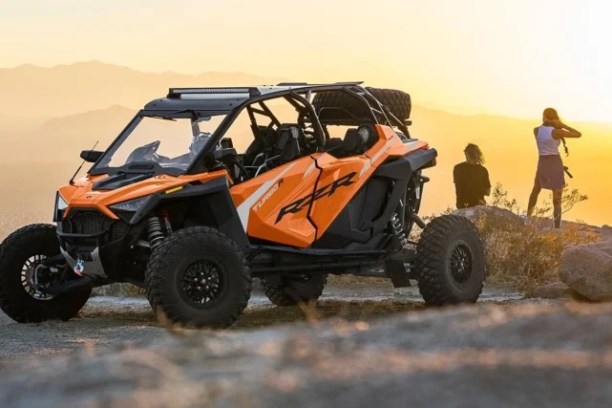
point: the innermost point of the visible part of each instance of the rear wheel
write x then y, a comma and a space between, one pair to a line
290, 291
198, 277
30, 290
450, 261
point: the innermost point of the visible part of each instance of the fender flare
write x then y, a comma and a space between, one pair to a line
217, 194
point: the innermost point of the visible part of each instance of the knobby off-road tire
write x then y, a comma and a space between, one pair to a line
291, 291
19, 254
397, 101
197, 277
450, 261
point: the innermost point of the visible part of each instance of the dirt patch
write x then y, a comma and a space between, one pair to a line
347, 310
519, 353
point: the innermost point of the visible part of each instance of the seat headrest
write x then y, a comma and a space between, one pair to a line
368, 132
354, 141
293, 129
267, 134
288, 145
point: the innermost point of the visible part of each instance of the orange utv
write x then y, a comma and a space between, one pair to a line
208, 188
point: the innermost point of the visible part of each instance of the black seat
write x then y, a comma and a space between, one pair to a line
265, 139
332, 143
355, 142
288, 144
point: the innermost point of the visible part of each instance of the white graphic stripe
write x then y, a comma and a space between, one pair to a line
379, 153
309, 169
244, 209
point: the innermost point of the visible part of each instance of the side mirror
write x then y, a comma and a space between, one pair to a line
91, 156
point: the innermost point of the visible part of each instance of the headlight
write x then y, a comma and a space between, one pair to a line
130, 205
60, 206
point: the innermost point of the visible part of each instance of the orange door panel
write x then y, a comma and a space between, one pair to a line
274, 206
294, 204
341, 179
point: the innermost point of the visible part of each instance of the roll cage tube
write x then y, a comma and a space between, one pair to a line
264, 111
318, 128
295, 94
386, 112
233, 115
128, 128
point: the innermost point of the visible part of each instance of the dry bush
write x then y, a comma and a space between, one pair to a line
527, 255
523, 254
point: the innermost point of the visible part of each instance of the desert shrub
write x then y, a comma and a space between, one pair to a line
501, 198
523, 253
526, 254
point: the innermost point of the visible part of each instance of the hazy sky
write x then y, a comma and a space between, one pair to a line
511, 57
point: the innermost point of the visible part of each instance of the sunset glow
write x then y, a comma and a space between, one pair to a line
502, 57
461, 61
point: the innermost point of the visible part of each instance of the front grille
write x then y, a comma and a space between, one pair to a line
93, 222
86, 222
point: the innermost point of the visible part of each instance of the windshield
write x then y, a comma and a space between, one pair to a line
171, 144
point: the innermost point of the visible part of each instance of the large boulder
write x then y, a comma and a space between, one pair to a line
587, 270
555, 290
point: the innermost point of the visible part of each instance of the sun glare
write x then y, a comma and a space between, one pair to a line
597, 46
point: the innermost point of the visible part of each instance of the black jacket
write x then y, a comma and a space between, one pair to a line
471, 184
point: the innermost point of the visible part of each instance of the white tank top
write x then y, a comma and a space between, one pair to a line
547, 145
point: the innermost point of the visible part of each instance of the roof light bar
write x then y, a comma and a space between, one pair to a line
292, 84
307, 84
177, 92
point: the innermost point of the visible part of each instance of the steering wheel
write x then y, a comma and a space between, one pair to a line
144, 153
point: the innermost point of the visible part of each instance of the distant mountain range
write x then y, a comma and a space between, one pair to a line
48, 115
29, 91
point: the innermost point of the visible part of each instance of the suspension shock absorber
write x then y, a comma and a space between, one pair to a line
398, 230
155, 231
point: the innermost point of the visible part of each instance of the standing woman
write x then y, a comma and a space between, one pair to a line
550, 173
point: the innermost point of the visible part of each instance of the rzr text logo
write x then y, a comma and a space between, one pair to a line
324, 191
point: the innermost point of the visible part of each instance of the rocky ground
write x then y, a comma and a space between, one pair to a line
361, 347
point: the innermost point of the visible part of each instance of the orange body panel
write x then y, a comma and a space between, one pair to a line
260, 200
348, 174
294, 204
325, 209
81, 195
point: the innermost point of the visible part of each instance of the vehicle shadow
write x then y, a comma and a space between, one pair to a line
261, 316
353, 310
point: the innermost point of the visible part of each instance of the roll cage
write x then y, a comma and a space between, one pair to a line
194, 103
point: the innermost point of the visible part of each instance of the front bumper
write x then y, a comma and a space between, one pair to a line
95, 245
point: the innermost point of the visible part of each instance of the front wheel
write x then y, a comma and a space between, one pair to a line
29, 288
450, 261
198, 277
